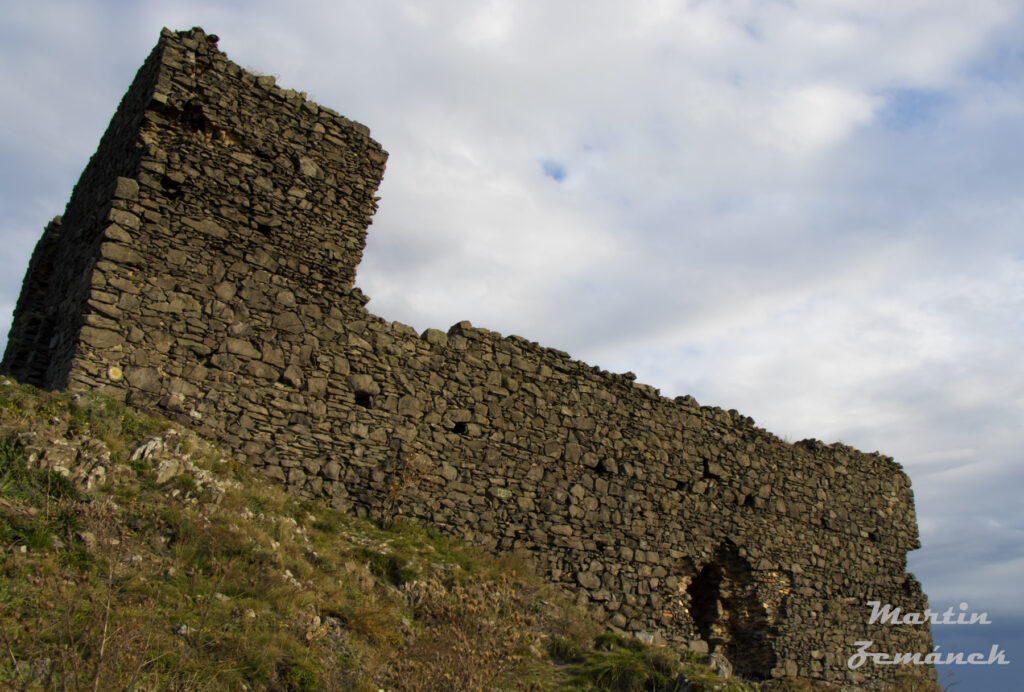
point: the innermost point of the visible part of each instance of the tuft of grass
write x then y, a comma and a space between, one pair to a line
564, 650
19, 481
624, 664
621, 670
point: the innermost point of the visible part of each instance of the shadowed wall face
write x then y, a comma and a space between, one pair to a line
204, 268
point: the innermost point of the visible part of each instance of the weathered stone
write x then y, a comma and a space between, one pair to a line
460, 415
307, 167
225, 290
117, 234
223, 293
288, 322
261, 370
409, 405
126, 188
316, 386
363, 384
241, 347
292, 375
206, 226
588, 580
272, 355
145, 379
435, 337
120, 253
101, 338
125, 219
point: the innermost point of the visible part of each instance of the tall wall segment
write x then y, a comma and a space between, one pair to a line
205, 268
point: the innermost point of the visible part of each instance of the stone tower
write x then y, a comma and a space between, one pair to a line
204, 268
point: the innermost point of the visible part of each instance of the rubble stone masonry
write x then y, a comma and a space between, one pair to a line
204, 268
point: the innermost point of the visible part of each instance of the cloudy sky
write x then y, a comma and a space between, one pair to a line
810, 210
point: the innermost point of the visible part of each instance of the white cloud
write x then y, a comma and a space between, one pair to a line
807, 120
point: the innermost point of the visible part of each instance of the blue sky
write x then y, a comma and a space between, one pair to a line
808, 211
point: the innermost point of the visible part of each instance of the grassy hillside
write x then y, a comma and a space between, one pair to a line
138, 556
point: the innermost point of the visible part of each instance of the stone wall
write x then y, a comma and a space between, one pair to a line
205, 269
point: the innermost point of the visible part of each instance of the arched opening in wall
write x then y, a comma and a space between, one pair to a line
729, 615
705, 596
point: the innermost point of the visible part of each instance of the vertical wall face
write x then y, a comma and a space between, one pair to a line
216, 287
51, 310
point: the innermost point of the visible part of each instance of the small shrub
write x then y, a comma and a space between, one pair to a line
625, 664
564, 650
391, 567
297, 674
378, 623
694, 657
609, 641
620, 670
139, 465
19, 481
184, 482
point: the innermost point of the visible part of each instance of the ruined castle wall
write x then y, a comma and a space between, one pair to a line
626, 496
222, 294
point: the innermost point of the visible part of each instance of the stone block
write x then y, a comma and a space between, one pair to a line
241, 347
410, 406
143, 378
363, 384
120, 253
126, 188
588, 580
207, 227
101, 338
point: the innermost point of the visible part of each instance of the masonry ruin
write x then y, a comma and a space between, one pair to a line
204, 268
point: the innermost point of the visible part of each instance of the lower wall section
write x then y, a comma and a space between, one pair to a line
663, 517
